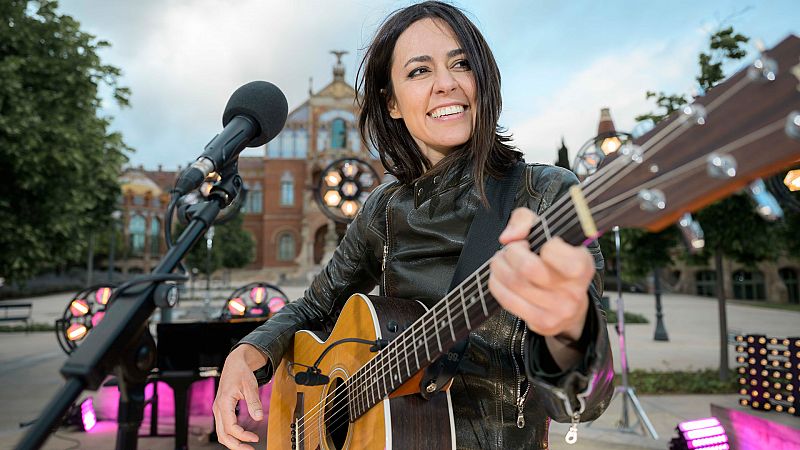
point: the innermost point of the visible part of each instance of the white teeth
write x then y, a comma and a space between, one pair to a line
447, 110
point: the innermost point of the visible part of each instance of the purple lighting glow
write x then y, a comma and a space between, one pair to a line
701, 434
88, 417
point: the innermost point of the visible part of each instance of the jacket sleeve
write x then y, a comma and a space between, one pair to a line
350, 270
583, 391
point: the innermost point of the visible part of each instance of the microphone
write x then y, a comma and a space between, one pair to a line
254, 115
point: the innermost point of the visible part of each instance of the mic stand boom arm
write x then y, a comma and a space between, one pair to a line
122, 342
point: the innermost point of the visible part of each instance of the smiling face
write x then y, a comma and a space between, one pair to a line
433, 88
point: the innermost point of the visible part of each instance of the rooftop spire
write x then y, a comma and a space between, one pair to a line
338, 69
606, 124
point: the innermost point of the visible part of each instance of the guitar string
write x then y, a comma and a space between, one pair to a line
356, 380
397, 357
683, 172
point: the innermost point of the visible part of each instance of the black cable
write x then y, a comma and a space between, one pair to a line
146, 279
173, 203
75, 443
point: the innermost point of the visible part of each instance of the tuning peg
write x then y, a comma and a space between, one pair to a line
766, 204
693, 235
694, 114
793, 124
652, 200
763, 68
721, 166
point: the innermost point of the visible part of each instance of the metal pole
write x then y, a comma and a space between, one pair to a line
90, 261
209, 245
111, 247
661, 331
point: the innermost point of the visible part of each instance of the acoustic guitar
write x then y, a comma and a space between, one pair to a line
357, 388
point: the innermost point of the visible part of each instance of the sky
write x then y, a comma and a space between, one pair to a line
560, 61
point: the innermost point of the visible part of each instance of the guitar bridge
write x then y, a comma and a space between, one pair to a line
298, 426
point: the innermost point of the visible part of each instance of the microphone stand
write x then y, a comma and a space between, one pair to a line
627, 392
121, 342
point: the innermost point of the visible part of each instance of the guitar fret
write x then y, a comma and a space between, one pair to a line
405, 356
414, 340
464, 306
450, 322
480, 291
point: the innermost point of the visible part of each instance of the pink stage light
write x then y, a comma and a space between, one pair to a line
88, 417
704, 443
97, 317
236, 307
256, 312
702, 434
102, 295
276, 304
699, 423
79, 307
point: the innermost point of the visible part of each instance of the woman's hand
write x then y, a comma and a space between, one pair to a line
548, 291
237, 382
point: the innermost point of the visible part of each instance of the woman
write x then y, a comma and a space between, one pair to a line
430, 105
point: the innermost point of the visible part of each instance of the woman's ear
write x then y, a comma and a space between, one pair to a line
394, 111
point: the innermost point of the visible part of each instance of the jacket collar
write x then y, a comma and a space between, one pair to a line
427, 187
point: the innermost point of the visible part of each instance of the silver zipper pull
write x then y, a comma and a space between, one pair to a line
520, 417
572, 434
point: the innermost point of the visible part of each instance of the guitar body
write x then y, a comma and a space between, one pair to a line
318, 419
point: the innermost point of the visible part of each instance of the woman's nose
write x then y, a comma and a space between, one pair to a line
445, 82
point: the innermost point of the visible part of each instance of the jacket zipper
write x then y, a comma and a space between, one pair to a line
521, 396
386, 243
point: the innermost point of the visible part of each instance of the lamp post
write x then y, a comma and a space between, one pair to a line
209, 245
112, 244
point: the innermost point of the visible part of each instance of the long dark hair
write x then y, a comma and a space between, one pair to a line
488, 147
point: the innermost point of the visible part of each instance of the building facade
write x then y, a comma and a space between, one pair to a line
291, 232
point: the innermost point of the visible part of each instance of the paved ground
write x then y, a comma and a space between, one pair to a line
29, 377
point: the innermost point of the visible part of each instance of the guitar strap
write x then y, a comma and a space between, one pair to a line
480, 244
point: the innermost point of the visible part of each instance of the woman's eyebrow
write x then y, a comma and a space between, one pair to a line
426, 58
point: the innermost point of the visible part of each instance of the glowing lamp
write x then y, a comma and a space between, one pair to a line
332, 198
705, 434
256, 311
236, 306
610, 145
349, 208
792, 180
349, 170
349, 189
332, 179
79, 307
97, 317
276, 304
102, 295
76, 331
88, 416
258, 293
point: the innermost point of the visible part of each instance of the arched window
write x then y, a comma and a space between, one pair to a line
286, 249
136, 231
789, 277
748, 285
338, 133
706, 283
254, 199
301, 143
287, 189
155, 237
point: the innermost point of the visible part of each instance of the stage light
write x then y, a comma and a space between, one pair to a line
349, 189
701, 434
349, 208
88, 416
332, 198
236, 307
250, 301
792, 180
102, 295
76, 332
276, 304
332, 179
258, 293
349, 169
79, 307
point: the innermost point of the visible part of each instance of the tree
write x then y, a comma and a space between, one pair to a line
233, 247
60, 163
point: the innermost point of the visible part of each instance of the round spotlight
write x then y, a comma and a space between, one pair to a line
254, 300
83, 312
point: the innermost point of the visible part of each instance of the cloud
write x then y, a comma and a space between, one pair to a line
617, 80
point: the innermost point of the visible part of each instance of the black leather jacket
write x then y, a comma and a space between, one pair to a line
509, 387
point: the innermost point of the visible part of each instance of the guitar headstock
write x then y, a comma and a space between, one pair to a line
745, 128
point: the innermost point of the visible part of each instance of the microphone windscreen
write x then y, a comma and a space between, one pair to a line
263, 102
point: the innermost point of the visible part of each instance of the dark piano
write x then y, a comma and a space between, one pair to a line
191, 351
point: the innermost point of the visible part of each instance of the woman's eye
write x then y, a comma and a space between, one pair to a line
462, 64
417, 71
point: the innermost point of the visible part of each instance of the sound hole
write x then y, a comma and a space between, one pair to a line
337, 415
